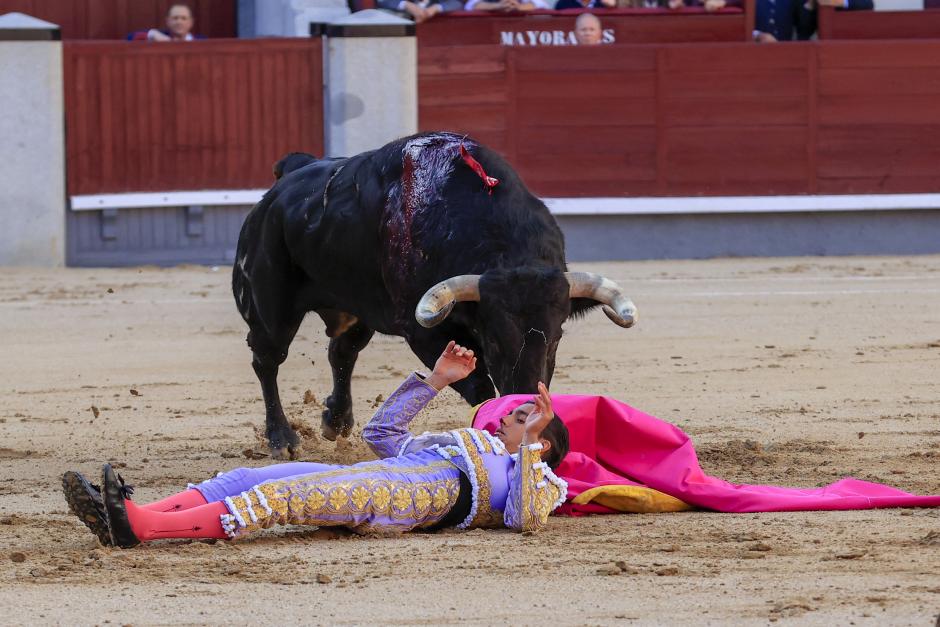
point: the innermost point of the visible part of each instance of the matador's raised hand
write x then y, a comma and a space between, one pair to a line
540, 416
454, 364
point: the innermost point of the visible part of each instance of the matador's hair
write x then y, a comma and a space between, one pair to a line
557, 433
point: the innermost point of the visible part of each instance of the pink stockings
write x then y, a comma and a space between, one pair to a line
183, 500
182, 515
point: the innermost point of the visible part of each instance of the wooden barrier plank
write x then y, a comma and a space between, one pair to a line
876, 151
580, 84
617, 154
620, 58
731, 112
732, 159
849, 25
587, 112
439, 90
893, 184
880, 109
736, 57
452, 60
594, 189
606, 142
873, 81
188, 116
463, 118
582, 171
705, 82
878, 54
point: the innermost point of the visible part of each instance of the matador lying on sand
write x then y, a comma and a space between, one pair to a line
465, 478
501, 473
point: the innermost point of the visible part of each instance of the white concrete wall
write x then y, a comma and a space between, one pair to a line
32, 154
292, 18
370, 102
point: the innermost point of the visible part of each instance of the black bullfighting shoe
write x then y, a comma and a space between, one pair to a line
84, 501
114, 493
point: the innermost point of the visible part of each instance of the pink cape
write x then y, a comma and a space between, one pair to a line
615, 444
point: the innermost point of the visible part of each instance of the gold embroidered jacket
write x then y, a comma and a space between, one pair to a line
517, 490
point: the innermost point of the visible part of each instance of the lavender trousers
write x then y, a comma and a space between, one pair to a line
241, 480
394, 494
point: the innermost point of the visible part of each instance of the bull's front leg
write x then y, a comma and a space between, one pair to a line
269, 344
282, 439
344, 350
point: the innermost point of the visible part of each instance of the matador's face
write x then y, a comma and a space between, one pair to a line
512, 426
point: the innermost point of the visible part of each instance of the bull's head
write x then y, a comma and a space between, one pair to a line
519, 314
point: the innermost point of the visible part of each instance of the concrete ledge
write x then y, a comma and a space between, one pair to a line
740, 204
563, 206
768, 234
130, 229
139, 200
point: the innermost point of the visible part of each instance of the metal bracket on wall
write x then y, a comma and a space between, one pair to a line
194, 215
109, 223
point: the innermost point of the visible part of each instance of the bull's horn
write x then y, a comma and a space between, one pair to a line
437, 302
617, 306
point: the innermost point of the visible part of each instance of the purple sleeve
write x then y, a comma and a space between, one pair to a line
534, 491
387, 433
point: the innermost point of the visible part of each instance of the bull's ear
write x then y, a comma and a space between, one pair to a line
617, 306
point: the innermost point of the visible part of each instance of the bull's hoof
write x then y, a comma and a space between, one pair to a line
284, 443
284, 454
333, 426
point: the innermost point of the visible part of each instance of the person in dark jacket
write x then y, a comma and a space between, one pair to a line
422, 10
782, 20
585, 4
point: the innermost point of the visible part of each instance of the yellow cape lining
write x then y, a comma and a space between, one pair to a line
632, 498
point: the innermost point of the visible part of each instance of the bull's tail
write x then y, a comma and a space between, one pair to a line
247, 254
241, 281
262, 267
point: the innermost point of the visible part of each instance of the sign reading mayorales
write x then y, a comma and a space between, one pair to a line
548, 37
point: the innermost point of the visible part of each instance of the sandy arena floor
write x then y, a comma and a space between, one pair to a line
791, 371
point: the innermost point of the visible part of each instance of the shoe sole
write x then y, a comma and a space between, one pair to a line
82, 502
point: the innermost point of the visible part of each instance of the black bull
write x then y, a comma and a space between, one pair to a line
360, 240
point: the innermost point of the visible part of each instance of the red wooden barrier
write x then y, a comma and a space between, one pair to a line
705, 119
181, 116
114, 19
555, 28
878, 115
878, 24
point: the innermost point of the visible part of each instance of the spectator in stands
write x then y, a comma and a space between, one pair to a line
587, 30
420, 11
782, 20
708, 5
505, 6
179, 27
641, 4
585, 4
